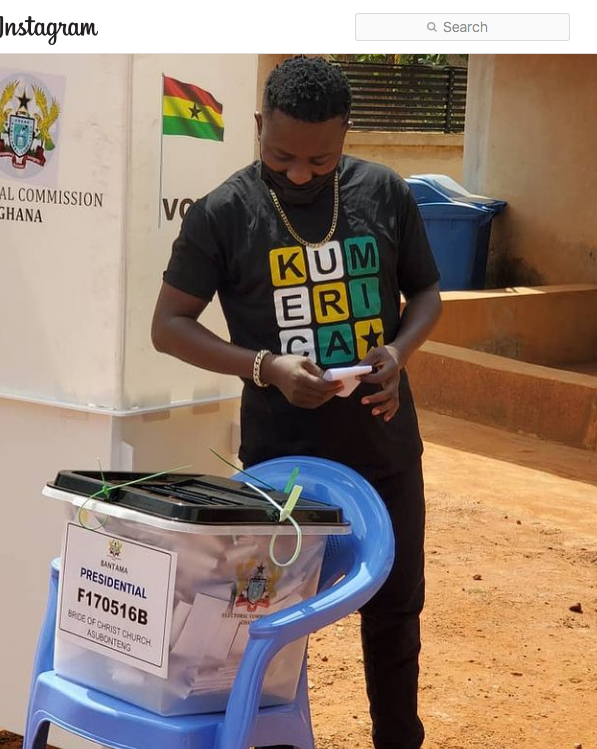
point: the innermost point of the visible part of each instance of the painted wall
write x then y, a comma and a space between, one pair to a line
77, 291
61, 279
165, 175
43, 440
530, 140
410, 153
182, 436
37, 441
78, 283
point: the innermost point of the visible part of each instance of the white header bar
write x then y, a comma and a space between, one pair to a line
311, 27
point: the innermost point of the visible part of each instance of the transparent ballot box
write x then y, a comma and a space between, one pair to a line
160, 578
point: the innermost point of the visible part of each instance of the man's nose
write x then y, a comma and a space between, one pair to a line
300, 174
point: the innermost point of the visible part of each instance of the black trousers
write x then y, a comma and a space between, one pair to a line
390, 630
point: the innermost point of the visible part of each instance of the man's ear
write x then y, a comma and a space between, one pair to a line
259, 121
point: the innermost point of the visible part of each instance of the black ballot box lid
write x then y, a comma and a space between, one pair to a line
194, 498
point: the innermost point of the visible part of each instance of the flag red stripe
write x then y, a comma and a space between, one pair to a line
172, 87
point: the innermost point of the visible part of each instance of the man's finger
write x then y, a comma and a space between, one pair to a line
383, 373
388, 411
308, 400
380, 397
318, 386
312, 368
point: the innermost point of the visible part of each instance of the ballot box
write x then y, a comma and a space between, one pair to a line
161, 577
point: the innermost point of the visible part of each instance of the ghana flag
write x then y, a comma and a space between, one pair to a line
189, 110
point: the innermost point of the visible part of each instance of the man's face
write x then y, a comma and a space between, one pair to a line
300, 150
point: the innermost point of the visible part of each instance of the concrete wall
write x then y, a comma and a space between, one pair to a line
494, 355
410, 153
516, 396
530, 140
551, 326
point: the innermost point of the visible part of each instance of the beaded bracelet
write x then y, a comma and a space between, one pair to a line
257, 368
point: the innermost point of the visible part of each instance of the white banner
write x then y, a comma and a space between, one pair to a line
116, 597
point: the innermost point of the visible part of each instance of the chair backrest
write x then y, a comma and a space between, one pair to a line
362, 559
371, 541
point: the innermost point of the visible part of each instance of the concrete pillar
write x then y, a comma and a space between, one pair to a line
530, 140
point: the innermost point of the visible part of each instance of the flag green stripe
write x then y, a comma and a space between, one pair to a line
183, 126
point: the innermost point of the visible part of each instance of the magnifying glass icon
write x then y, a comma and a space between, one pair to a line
431, 26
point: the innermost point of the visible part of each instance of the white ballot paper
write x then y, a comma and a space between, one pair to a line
348, 375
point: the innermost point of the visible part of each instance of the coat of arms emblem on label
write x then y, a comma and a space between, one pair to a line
256, 589
29, 116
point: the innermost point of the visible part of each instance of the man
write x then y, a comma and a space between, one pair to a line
309, 251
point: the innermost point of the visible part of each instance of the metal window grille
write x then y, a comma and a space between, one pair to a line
407, 97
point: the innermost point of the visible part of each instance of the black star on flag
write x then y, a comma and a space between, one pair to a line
194, 110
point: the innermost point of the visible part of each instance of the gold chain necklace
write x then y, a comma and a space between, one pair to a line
288, 225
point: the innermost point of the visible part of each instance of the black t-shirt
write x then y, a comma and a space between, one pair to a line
332, 303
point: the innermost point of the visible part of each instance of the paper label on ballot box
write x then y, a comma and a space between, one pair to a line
116, 597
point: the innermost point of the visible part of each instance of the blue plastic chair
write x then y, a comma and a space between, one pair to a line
358, 564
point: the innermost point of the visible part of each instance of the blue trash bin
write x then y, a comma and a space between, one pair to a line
454, 230
459, 238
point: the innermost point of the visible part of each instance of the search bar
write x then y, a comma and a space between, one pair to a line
454, 27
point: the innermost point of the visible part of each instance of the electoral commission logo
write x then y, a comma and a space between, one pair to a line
29, 125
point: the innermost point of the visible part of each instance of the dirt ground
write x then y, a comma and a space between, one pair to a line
510, 625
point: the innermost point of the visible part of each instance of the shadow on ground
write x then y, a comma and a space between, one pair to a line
529, 452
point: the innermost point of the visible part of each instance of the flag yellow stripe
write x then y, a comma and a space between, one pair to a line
175, 107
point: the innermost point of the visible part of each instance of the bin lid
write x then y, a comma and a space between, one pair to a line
456, 211
423, 192
425, 186
195, 498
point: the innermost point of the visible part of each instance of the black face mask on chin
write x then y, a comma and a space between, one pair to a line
288, 192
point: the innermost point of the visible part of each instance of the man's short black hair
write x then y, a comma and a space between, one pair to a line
309, 89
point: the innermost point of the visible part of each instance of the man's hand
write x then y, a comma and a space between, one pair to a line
421, 312
386, 364
299, 379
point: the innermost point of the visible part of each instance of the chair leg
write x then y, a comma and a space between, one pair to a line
44, 655
307, 740
36, 734
37, 728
